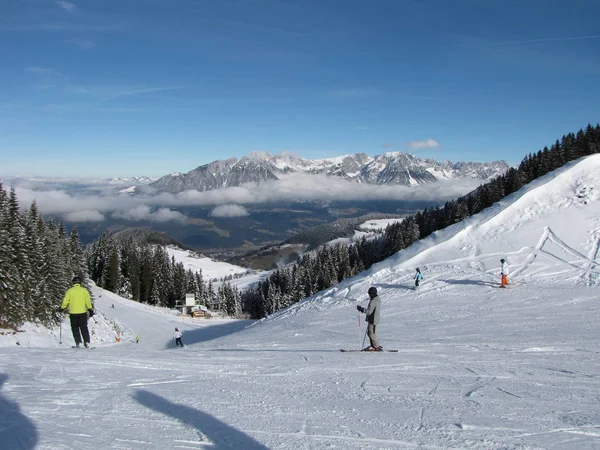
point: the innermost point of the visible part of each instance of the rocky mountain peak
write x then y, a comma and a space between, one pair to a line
395, 168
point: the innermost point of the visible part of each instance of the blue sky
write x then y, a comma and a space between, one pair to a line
149, 87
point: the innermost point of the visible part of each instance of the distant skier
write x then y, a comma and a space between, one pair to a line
504, 273
177, 338
372, 313
137, 339
77, 300
418, 277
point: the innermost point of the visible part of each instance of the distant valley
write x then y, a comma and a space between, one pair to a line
265, 225
232, 207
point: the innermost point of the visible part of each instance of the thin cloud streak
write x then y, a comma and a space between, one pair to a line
67, 6
82, 44
43, 71
59, 26
111, 92
353, 93
53, 78
415, 145
150, 90
534, 41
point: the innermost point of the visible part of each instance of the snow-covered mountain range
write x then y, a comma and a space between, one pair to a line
393, 168
117, 181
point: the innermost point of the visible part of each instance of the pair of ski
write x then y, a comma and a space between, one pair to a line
368, 351
83, 348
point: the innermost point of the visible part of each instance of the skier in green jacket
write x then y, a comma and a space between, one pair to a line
78, 303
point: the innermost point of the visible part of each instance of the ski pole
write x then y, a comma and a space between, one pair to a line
358, 315
364, 339
60, 333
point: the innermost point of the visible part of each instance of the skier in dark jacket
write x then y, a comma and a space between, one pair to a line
77, 300
372, 312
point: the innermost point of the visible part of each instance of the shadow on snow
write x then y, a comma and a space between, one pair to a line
17, 431
222, 435
475, 282
208, 333
394, 286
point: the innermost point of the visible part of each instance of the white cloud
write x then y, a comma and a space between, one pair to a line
427, 143
229, 211
228, 202
86, 215
535, 41
414, 145
146, 213
67, 6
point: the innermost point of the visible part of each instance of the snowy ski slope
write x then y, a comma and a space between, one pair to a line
478, 367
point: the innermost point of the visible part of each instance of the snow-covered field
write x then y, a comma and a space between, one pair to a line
370, 229
478, 367
209, 267
379, 224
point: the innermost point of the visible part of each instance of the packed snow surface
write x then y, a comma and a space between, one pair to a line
478, 367
209, 267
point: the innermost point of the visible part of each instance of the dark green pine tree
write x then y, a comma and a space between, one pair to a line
78, 262
134, 270
210, 299
231, 300
514, 181
200, 290
179, 281
18, 268
56, 284
44, 309
8, 297
273, 299
461, 212
412, 233
65, 256
356, 263
146, 274
190, 283
113, 278
160, 285
155, 299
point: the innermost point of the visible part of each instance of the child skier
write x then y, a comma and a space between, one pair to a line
177, 338
418, 277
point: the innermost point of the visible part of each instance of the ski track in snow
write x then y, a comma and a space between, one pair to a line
477, 368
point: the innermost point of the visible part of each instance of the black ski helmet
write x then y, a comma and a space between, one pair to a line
502, 260
76, 280
372, 292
